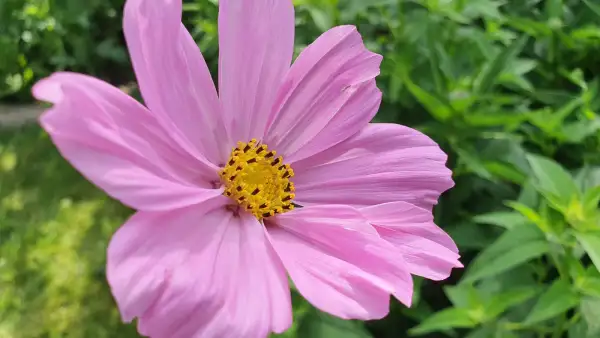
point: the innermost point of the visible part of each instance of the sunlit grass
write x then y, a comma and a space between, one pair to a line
54, 228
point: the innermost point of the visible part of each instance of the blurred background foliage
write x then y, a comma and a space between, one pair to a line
509, 88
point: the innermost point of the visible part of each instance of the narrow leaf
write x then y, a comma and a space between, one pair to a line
591, 244
591, 199
508, 260
439, 109
590, 286
505, 219
552, 178
492, 71
559, 298
508, 299
531, 215
463, 296
444, 320
515, 247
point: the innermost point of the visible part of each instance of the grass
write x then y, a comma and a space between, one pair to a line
54, 229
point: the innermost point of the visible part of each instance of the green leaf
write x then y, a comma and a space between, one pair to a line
553, 179
590, 309
531, 215
557, 118
575, 267
473, 163
515, 247
321, 18
576, 132
417, 283
508, 260
528, 195
320, 325
594, 7
463, 296
558, 298
591, 244
512, 238
433, 104
485, 331
489, 75
444, 320
487, 119
591, 199
505, 172
588, 177
505, 219
590, 286
505, 300
553, 9
580, 330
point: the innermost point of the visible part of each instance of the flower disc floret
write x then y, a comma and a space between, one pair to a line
257, 180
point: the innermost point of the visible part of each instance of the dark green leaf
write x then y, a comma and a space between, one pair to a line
486, 79
594, 7
434, 105
320, 325
469, 235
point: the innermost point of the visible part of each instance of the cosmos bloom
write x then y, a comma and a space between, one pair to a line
279, 174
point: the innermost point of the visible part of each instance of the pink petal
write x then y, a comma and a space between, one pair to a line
328, 95
173, 76
383, 163
198, 272
338, 263
256, 45
119, 146
428, 251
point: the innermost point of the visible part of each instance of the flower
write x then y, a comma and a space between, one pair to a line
310, 189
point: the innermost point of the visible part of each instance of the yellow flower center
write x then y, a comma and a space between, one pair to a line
258, 181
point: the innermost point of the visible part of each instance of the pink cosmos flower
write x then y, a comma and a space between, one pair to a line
218, 231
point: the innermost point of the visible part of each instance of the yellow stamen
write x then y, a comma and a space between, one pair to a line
258, 180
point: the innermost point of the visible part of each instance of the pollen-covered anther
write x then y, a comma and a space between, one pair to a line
258, 180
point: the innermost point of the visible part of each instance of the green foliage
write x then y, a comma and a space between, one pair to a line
54, 228
38, 37
509, 88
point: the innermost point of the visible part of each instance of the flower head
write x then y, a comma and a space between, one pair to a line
278, 174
